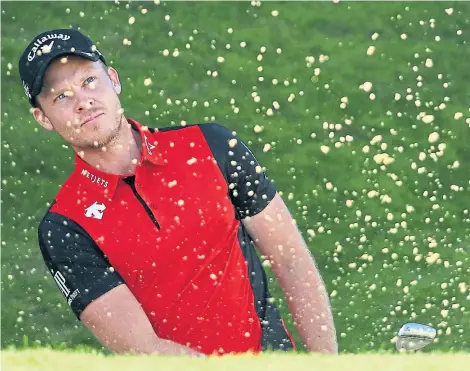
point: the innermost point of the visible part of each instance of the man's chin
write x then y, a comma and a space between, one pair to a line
101, 140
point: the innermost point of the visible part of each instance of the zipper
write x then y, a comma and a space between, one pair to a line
131, 182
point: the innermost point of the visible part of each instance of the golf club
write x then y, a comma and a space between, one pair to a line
414, 336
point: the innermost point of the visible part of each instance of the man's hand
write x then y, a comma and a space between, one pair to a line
277, 237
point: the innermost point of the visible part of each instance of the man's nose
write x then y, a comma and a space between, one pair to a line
84, 103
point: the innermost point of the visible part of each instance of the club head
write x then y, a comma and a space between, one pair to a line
414, 336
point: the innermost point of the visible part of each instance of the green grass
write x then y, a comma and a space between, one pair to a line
40, 360
35, 162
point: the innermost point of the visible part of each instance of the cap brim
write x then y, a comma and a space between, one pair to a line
38, 79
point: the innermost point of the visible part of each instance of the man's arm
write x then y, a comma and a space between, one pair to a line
96, 293
269, 223
118, 321
276, 236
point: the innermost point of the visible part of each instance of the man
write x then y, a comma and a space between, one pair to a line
152, 238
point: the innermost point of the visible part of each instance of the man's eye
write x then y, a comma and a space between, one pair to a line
65, 94
90, 79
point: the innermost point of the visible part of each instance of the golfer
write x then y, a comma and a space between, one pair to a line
153, 238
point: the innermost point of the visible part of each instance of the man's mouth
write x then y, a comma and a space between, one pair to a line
91, 119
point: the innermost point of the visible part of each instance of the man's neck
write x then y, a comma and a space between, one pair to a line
119, 157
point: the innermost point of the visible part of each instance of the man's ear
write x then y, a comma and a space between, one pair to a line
42, 119
114, 77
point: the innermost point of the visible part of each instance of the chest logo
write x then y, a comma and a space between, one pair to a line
95, 211
149, 145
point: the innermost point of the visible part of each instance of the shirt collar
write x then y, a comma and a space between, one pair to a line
149, 143
106, 183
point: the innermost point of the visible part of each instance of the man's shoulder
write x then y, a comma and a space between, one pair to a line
65, 196
216, 135
67, 187
209, 127
57, 225
51, 218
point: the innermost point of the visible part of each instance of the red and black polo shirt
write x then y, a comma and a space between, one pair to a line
172, 232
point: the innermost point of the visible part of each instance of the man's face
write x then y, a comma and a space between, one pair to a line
80, 101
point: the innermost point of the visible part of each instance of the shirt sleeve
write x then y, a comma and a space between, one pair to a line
79, 268
249, 187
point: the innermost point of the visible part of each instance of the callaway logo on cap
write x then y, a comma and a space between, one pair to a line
46, 47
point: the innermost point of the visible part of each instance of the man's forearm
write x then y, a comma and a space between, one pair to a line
161, 347
276, 235
308, 302
167, 347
